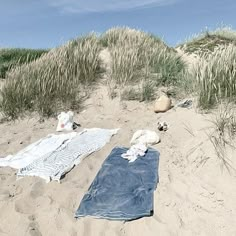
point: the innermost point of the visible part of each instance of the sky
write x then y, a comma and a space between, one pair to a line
50, 23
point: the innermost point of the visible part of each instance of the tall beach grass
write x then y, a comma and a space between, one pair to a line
208, 40
139, 63
215, 75
141, 58
53, 81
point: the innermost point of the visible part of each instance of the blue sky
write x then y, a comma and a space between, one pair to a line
49, 23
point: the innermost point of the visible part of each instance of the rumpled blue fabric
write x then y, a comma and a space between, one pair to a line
122, 190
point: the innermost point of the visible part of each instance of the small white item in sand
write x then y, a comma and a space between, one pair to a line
65, 121
137, 150
162, 126
146, 137
162, 104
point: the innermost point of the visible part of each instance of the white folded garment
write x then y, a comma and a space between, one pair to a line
135, 151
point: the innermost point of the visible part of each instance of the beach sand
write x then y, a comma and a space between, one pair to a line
195, 195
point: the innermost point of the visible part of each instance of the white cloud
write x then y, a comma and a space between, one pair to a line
86, 6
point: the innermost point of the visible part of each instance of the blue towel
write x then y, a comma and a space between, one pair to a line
122, 190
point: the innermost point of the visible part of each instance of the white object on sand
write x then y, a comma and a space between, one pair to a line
36, 150
146, 137
65, 121
162, 126
137, 150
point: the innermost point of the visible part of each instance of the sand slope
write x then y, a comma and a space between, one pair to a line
194, 196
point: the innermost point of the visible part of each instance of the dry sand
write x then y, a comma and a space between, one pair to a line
194, 196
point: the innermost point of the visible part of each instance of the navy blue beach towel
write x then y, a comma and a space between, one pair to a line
122, 190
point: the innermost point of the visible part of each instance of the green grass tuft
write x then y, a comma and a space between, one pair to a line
10, 58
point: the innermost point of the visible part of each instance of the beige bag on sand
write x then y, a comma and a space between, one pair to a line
146, 137
162, 104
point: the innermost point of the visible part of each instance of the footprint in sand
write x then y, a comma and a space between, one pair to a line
3, 178
4, 194
24, 206
37, 190
27, 204
15, 191
33, 229
90, 166
28, 139
87, 227
82, 183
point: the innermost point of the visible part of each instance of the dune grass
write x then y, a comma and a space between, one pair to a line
208, 41
137, 57
58, 79
140, 64
12, 57
125, 35
223, 133
145, 91
55, 81
215, 75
